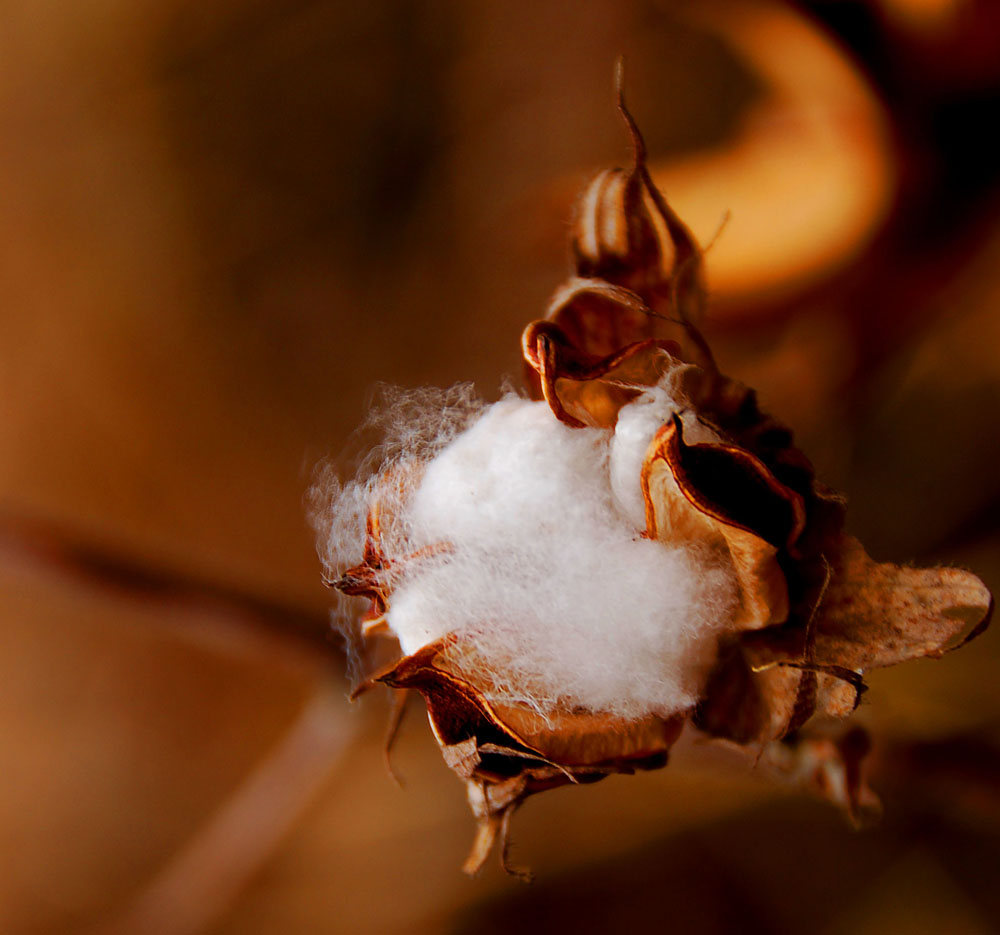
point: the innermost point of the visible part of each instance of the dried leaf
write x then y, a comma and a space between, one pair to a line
876, 614
879, 614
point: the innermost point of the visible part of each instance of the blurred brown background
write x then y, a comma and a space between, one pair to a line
221, 222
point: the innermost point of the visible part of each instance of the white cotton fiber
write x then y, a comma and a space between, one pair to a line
636, 426
546, 573
637, 423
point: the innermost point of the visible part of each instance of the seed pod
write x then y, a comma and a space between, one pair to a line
811, 612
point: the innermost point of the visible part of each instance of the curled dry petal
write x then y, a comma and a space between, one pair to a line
699, 493
585, 389
567, 741
597, 318
732, 486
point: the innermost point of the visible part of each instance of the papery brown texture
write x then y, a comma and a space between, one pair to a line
815, 612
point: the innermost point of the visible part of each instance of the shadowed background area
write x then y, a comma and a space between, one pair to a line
222, 222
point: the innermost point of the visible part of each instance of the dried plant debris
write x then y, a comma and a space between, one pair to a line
572, 580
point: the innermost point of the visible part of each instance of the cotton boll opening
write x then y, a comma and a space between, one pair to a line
529, 547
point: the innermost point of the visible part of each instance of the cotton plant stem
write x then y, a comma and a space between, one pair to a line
225, 617
202, 881
198, 885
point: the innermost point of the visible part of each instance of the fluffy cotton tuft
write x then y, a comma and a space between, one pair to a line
545, 573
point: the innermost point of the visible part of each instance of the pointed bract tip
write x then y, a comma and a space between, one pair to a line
638, 143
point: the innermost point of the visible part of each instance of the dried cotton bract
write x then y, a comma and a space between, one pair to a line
572, 580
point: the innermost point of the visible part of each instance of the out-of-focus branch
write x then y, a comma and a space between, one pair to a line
208, 612
204, 879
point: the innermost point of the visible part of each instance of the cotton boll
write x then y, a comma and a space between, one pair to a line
558, 594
